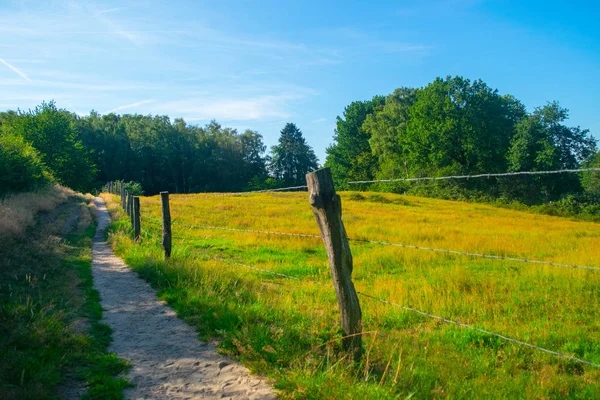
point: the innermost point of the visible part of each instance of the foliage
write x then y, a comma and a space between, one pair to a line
50, 131
457, 126
541, 143
292, 158
387, 128
21, 168
350, 157
134, 188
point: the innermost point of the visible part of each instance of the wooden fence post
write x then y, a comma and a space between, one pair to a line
166, 224
136, 218
123, 199
131, 209
327, 208
127, 202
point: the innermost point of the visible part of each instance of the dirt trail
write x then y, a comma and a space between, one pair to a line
168, 361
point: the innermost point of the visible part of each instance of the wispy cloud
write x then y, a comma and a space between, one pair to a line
15, 70
110, 10
265, 107
132, 105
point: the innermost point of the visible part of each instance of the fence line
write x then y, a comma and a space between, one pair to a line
405, 246
192, 196
423, 313
463, 325
325, 188
433, 178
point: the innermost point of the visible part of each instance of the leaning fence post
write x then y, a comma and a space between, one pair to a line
166, 223
136, 218
327, 208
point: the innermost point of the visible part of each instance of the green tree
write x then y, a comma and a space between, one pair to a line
459, 126
387, 130
52, 133
542, 142
292, 158
21, 167
350, 156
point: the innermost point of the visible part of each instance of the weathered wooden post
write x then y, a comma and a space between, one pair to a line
127, 202
327, 208
166, 224
109, 186
136, 218
131, 209
123, 199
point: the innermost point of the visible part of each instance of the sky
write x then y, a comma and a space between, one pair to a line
259, 64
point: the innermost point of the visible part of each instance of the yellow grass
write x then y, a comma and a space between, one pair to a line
550, 306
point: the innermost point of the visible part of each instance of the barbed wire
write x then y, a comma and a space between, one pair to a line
433, 178
423, 313
406, 246
194, 196
463, 325
464, 253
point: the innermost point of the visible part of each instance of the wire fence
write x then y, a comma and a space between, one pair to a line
419, 312
157, 223
493, 175
383, 243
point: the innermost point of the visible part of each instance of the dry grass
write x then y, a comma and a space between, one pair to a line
17, 212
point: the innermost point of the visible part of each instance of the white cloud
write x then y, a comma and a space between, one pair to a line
233, 109
15, 70
132, 105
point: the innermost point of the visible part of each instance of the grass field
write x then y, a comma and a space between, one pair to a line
289, 329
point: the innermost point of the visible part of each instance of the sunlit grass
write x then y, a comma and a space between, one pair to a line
278, 324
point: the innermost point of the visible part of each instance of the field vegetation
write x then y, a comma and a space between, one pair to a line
52, 344
288, 329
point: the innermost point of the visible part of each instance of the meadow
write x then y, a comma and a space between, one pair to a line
288, 329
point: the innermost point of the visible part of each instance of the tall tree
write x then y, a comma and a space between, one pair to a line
51, 132
456, 125
387, 130
292, 158
350, 156
543, 142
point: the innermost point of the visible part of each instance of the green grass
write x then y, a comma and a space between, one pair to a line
51, 339
289, 329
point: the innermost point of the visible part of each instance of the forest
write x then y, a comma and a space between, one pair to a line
451, 126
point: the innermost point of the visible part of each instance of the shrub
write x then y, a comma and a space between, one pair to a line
21, 168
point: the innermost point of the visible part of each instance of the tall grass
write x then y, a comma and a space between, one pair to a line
289, 329
51, 341
18, 211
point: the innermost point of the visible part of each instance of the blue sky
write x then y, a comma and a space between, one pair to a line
260, 64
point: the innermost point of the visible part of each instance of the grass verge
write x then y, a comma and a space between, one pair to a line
52, 344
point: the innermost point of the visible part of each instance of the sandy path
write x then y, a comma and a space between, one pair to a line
168, 361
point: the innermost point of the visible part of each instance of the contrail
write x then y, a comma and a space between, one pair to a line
16, 70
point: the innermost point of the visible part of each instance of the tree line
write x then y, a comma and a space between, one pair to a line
457, 126
49, 144
451, 126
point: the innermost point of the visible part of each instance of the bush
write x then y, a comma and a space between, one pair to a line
21, 168
134, 188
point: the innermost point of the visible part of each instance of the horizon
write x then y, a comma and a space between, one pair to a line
259, 67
